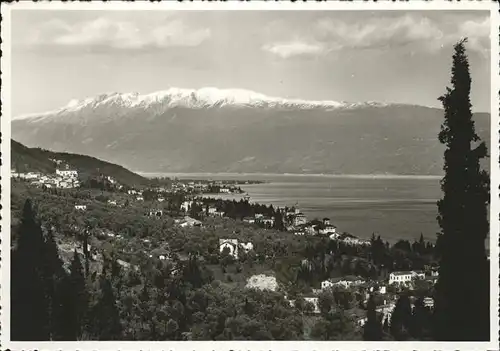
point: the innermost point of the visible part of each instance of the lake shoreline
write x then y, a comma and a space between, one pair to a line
298, 175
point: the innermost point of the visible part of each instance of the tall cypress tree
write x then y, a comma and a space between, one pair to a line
86, 253
278, 221
53, 275
462, 310
29, 308
106, 319
373, 326
75, 300
401, 318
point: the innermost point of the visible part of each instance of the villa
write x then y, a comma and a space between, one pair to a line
231, 245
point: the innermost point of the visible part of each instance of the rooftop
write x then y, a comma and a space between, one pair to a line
402, 273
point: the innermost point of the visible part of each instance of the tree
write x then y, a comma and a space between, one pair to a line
335, 326
326, 302
462, 311
106, 319
29, 306
421, 320
278, 221
401, 318
75, 302
53, 276
373, 326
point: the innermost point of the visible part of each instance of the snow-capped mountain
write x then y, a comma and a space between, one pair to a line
215, 130
209, 97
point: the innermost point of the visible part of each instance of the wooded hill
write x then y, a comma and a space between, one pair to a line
25, 159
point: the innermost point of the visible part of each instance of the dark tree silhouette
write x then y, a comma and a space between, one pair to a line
462, 310
401, 318
373, 326
53, 275
278, 221
421, 320
29, 306
75, 301
86, 253
106, 319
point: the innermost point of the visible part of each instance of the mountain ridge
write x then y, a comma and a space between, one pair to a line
161, 137
207, 97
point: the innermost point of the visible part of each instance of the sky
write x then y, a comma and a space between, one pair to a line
386, 56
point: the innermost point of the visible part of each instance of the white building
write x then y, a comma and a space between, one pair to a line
429, 302
328, 229
139, 198
189, 222
157, 213
212, 210
402, 277
326, 284
224, 190
29, 175
344, 282
246, 246
269, 221
334, 236
81, 207
250, 220
67, 173
186, 206
299, 219
231, 245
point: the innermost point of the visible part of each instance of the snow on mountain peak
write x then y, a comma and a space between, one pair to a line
208, 97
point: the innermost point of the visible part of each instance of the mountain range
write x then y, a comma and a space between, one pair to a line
240, 131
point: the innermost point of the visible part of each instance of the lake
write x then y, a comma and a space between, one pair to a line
394, 207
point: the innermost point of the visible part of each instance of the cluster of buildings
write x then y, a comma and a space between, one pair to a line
345, 282
259, 218
325, 228
65, 178
408, 277
199, 187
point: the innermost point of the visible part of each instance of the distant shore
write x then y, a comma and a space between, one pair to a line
249, 175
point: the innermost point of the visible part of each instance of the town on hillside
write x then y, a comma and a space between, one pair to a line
244, 244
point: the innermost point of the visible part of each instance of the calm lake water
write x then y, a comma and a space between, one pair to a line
394, 207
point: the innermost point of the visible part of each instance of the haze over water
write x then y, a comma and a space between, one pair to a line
394, 207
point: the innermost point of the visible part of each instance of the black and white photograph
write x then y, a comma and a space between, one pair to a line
270, 172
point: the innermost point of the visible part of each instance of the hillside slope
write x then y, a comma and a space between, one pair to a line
25, 159
169, 132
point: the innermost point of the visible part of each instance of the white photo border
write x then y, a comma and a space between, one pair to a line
6, 11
